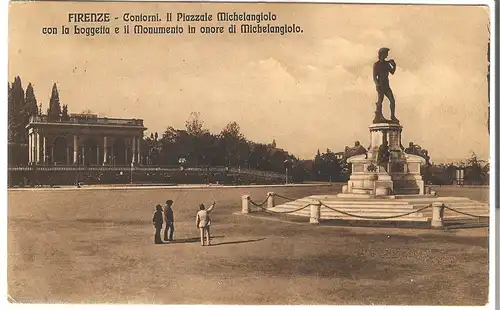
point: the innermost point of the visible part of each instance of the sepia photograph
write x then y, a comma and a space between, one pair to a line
250, 153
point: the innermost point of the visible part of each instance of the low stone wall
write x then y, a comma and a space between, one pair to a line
53, 176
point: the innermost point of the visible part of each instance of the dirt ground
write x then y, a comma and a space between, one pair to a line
96, 246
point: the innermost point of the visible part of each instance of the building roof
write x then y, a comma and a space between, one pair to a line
87, 120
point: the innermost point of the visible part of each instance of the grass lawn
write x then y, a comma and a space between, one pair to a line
96, 246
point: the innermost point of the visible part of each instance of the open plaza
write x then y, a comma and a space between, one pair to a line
95, 245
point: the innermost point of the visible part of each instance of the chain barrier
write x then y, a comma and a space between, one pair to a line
373, 217
258, 204
286, 198
320, 203
464, 213
285, 212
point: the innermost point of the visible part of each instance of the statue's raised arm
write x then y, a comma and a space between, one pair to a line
392, 65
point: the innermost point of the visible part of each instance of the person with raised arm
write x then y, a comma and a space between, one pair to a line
203, 223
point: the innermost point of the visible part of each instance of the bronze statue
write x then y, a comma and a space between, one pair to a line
416, 149
381, 70
358, 149
383, 154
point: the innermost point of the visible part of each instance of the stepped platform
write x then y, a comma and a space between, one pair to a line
390, 208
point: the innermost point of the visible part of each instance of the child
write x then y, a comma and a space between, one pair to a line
203, 222
158, 223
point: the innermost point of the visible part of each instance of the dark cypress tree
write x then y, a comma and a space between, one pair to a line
31, 103
317, 166
29, 109
54, 111
17, 111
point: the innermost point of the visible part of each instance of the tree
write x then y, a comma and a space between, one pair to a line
174, 144
326, 167
475, 172
317, 166
31, 103
64, 113
299, 171
233, 146
258, 157
331, 166
194, 125
54, 110
17, 112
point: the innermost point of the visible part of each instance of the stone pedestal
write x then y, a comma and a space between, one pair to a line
400, 176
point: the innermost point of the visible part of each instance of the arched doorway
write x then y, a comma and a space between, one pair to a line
90, 150
119, 151
59, 151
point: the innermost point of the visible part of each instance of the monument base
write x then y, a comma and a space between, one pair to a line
401, 175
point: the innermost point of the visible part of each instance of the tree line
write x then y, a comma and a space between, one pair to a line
195, 146
23, 104
475, 172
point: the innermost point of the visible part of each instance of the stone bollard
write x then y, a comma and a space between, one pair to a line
315, 214
245, 201
437, 214
270, 200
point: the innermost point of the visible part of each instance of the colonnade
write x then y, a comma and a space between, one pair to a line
41, 145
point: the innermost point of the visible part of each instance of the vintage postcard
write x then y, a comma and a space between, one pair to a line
244, 153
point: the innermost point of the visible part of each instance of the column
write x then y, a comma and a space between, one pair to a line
33, 147
67, 155
83, 155
75, 149
44, 159
105, 161
30, 147
98, 155
139, 157
38, 149
133, 150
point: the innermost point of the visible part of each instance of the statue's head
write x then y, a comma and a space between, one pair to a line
383, 53
356, 143
411, 144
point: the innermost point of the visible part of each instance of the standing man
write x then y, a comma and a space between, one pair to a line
168, 217
381, 70
203, 223
158, 223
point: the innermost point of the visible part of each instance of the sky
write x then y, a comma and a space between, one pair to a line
308, 91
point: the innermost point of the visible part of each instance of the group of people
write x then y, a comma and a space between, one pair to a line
166, 215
